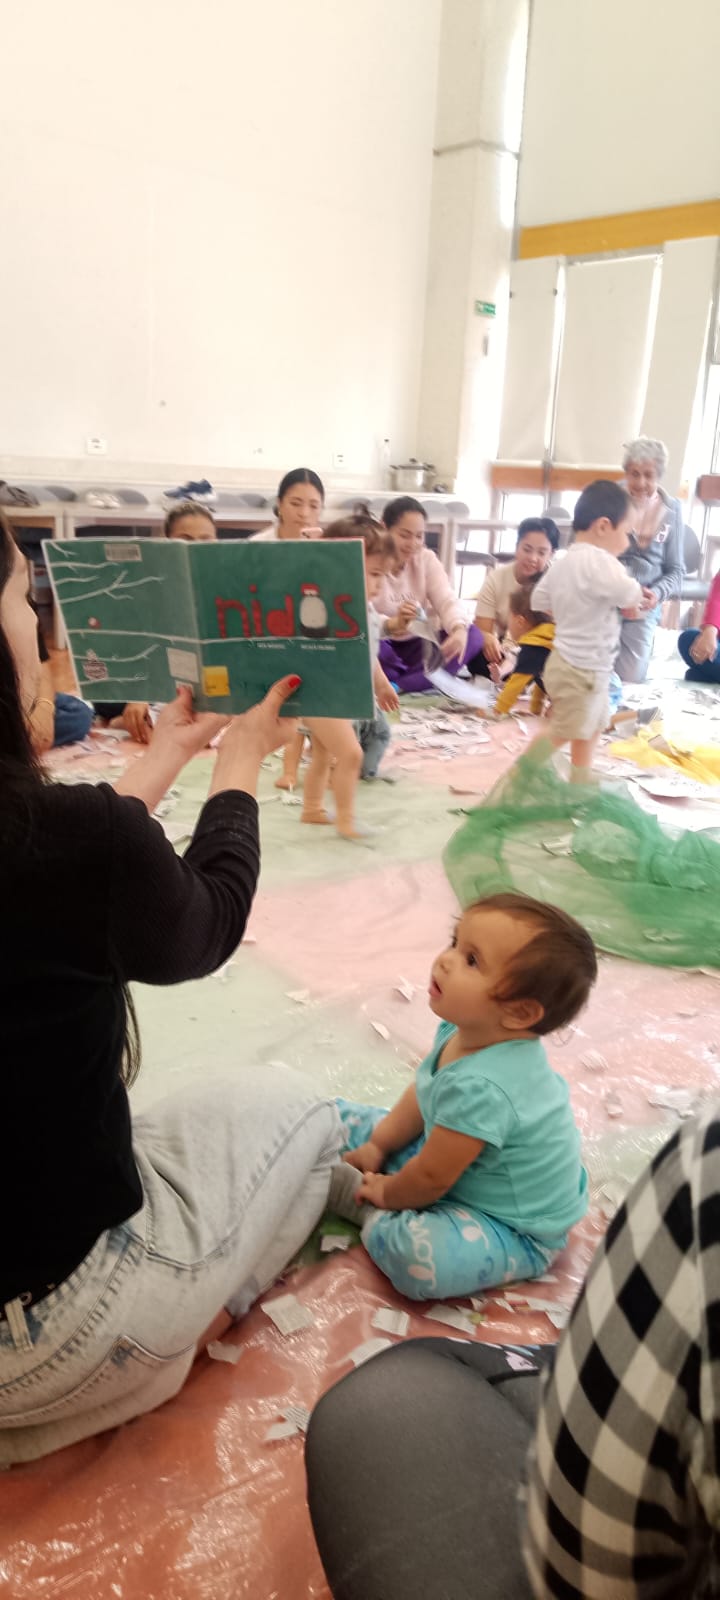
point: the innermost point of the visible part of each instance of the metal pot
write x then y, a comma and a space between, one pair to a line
412, 476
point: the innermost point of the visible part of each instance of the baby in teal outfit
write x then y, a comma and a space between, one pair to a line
475, 1176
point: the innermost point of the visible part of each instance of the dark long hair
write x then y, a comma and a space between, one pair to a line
19, 768
21, 775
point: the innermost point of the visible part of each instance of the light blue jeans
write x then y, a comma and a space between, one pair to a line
235, 1176
445, 1251
636, 642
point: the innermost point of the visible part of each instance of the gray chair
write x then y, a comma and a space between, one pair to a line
693, 588
58, 491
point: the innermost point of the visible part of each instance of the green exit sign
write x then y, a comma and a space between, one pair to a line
485, 308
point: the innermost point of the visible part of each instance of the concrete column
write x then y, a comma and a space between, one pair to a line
483, 49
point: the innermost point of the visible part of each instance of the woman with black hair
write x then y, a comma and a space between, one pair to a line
124, 1237
537, 541
298, 508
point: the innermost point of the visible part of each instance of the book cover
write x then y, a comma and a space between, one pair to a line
228, 618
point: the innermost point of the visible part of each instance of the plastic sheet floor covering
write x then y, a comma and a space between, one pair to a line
191, 1501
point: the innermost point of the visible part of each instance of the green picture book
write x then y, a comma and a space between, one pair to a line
228, 618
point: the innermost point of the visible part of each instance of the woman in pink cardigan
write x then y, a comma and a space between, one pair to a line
699, 646
418, 583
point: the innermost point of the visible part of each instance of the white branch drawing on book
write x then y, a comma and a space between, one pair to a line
114, 591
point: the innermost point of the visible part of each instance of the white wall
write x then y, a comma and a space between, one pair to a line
477, 135
622, 111
214, 232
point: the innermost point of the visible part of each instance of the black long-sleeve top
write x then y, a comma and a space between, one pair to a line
94, 896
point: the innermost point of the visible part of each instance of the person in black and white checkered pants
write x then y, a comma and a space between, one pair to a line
624, 1496
414, 1460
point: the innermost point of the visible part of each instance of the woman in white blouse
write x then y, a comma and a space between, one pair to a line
537, 541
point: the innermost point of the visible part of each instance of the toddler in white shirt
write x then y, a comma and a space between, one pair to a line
585, 594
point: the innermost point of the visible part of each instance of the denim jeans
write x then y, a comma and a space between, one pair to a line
374, 736
73, 719
707, 671
636, 642
235, 1176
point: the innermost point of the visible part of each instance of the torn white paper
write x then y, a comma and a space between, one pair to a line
280, 1430
334, 1241
371, 1347
298, 1415
389, 1321
453, 1317
224, 1352
682, 1101
288, 1315
405, 988
381, 1029
300, 996
593, 1061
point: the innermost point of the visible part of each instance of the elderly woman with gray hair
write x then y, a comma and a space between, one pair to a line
654, 555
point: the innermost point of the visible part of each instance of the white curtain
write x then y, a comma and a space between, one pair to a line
528, 365
604, 362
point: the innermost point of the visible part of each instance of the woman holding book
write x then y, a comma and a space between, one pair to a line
129, 1234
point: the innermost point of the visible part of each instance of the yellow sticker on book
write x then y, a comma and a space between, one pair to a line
215, 681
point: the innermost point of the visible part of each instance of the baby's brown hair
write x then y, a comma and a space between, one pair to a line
558, 965
521, 604
360, 524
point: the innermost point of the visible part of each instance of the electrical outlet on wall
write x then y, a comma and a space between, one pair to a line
95, 446
338, 460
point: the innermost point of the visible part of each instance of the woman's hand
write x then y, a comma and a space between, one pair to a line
135, 719
251, 737
367, 1158
492, 649
261, 729
453, 648
184, 731
705, 646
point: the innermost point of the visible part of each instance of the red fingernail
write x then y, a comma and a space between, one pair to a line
294, 683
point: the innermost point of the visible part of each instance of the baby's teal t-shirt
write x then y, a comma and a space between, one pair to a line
530, 1174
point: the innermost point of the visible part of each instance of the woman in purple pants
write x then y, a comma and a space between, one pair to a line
418, 583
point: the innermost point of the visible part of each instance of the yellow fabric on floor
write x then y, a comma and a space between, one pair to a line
645, 750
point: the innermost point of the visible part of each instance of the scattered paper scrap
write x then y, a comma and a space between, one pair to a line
334, 1241
518, 1363
381, 1029
405, 988
280, 1430
389, 1321
613, 1104
288, 1315
289, 799
249, 938
593, 1061
682, 1101
224, 1352
223, 972
298, 1415
300, 996
453, 1316
371, 1347
547, 1277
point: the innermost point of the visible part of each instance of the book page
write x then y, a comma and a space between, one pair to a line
129, 615
295, 606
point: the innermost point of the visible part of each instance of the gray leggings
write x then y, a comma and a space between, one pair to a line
414, 1463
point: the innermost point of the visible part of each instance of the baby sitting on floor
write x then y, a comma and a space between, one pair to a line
483, 1175
533, 632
